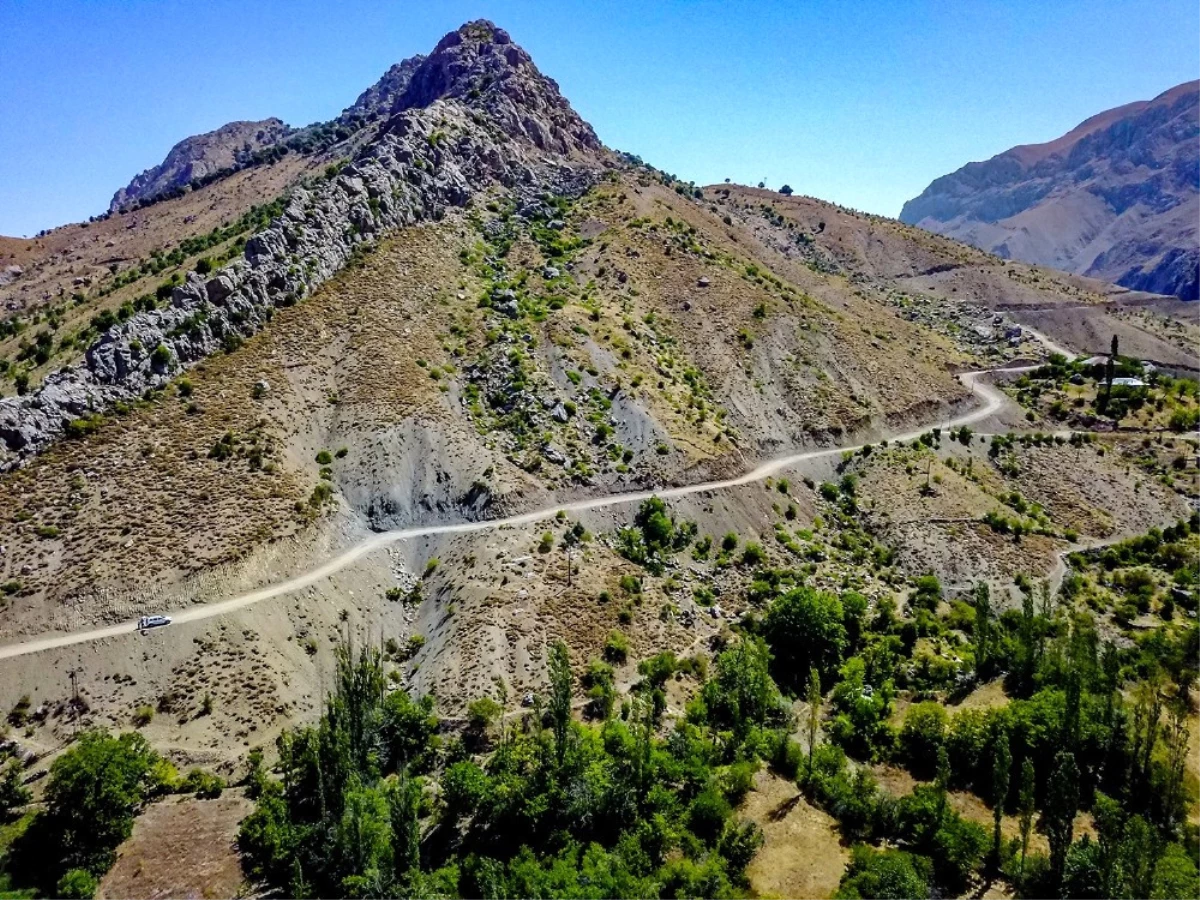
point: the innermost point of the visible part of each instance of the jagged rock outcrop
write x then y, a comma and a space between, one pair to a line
199, 156
515, 130
480, 62
379, 100
1116, 198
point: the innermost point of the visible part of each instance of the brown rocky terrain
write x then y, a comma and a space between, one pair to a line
1116, 198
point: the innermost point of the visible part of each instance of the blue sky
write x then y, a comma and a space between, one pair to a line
862, 103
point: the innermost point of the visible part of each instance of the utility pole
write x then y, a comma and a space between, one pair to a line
567, 551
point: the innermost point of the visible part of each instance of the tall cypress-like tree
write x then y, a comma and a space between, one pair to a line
1109, 371
814, 713
1074, 697
942, 783
1028, 642
983, 631
1062, 803
561, 688
1027, 802
1001, 769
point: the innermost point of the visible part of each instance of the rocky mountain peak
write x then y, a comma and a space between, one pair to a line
479, 65
474, 115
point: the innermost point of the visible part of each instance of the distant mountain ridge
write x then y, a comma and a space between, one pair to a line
200, 156
1116, 198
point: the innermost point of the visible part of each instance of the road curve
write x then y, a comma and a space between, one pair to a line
992, 398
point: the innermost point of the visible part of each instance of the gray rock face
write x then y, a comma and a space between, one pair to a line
425, 161
1116, 198
480, 62
380, 98
201, 155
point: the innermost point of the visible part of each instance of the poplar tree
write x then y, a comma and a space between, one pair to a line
983, 631
561, 689
1062, 804
814, 713
1001, 768
1027, 803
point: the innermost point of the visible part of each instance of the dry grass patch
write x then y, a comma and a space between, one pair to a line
801, 855
181, 848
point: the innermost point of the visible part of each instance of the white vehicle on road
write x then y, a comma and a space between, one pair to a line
153, 622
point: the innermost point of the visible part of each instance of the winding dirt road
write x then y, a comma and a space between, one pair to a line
992, 399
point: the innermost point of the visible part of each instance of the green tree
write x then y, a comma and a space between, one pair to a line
1062, 803
77, 884
363, 842
562, 686
1027, 637
854, 610
482, 713
814, 714
465, 786
13, 792
741, 694
93, 793
885, 874
922, 735
1175, 875
407, 732
600, 683
1001, 769
927, 592
1109, 370
404, 802
942, 784
1027, 803
805, 630
982, 632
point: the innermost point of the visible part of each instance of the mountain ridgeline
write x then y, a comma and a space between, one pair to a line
476, 112
1117, 198
457, 69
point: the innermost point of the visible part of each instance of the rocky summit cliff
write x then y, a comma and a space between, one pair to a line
200, 156
380, 98
1115, 198
475, 113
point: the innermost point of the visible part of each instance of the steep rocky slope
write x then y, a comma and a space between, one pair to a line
380, 98
1115, 198
477, 113
199, 156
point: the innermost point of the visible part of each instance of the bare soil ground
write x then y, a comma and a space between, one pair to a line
181, 847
